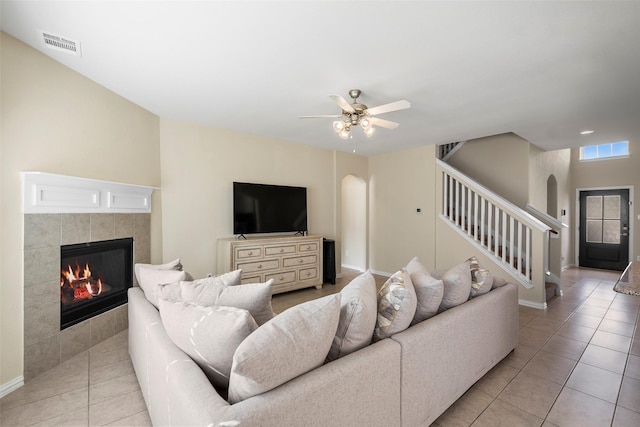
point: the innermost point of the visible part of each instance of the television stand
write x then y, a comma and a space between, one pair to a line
293, 262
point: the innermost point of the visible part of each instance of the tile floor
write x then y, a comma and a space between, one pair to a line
577, 364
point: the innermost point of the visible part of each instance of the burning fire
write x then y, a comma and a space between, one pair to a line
78, 284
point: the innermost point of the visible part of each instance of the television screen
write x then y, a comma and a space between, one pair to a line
263, 208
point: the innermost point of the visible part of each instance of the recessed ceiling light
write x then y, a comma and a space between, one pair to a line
586, 132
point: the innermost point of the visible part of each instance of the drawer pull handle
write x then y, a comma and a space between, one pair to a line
250, 253
281, 278
308, 274
308, 247
300, 261
259, 265
281, 250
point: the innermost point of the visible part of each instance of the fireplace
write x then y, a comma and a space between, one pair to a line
94, 278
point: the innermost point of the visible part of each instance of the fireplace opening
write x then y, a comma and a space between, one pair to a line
94, 278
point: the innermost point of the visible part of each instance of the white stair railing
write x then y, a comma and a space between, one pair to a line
512, 237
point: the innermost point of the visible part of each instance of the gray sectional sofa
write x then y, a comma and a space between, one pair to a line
407, 380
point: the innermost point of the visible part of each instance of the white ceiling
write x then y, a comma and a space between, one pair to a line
543, 70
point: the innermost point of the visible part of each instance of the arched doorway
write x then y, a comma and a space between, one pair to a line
354, 223
552, 196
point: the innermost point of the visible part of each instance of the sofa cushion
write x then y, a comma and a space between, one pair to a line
481, 278
292, 343
171, 265
254, 297
457, 286
209, 335
498, 282
429, 291
396, 305
358, 312
151, 281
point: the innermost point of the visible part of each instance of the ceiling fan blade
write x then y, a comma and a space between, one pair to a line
386, 108
323, 116
342, 103
388, 124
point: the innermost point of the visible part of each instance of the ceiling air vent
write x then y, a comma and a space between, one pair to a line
60, 43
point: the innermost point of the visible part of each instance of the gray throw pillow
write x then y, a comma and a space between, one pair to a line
457, 286
429, 291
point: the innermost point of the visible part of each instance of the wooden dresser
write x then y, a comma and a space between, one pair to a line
293, 262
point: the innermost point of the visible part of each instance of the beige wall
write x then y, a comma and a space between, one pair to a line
199, 166
398, 184
54, 120
543, 164
353, 232
478, 159
608, 173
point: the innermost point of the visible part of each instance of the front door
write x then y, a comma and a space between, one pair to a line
604, 229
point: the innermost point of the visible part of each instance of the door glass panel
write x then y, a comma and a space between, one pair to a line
594, 231
611, 231
612, 207
594, 207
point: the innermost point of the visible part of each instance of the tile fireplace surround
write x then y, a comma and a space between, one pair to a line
45, 346
63, 210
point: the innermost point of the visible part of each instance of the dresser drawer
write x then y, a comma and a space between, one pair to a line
281, 277
279, 250
301, 260
251, 278
307, 247
252, 267
248, 253
308, 273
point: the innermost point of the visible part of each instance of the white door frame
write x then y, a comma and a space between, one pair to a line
576, 227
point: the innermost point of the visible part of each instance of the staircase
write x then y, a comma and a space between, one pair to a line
510, 237
446, 150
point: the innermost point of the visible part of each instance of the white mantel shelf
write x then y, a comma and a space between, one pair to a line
52, 193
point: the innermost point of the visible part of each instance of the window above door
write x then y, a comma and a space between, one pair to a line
605, 151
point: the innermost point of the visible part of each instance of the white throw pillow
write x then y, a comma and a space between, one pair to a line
151, 281
292, 343
481, 278
358, 312
457, 286
172, 265
396, 305
209, 335
429, 291
254, 297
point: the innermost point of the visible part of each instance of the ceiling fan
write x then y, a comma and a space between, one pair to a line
359, 114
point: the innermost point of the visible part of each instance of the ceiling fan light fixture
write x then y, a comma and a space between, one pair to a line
365, 123
338, 125
344, 133
369, 131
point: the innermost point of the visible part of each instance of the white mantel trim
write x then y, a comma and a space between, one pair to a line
51, 193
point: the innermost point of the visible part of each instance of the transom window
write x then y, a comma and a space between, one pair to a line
605, 151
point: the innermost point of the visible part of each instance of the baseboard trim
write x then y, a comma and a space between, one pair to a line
353, 267
382, 273
12, 385
532, 304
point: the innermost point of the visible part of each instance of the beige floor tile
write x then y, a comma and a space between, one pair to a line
622, 305
635, 348
113, 388
604, 358
592, 310
45, 409
597, 302
550, 366
576, 332
622, 316
466, 409
531, 393
633, 367
545, 324
72, 418
630, 394
501, 414
616, 327
532, 337
109, 372
584, 320
117, 408
577, 409
595, 381
612, 341
565, 347
141, 419
625, 418
496, 379
525, 318
520, 356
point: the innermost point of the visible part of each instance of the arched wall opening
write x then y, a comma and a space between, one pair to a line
354, 223
552, 196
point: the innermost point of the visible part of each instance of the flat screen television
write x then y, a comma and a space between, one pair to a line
264, 208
